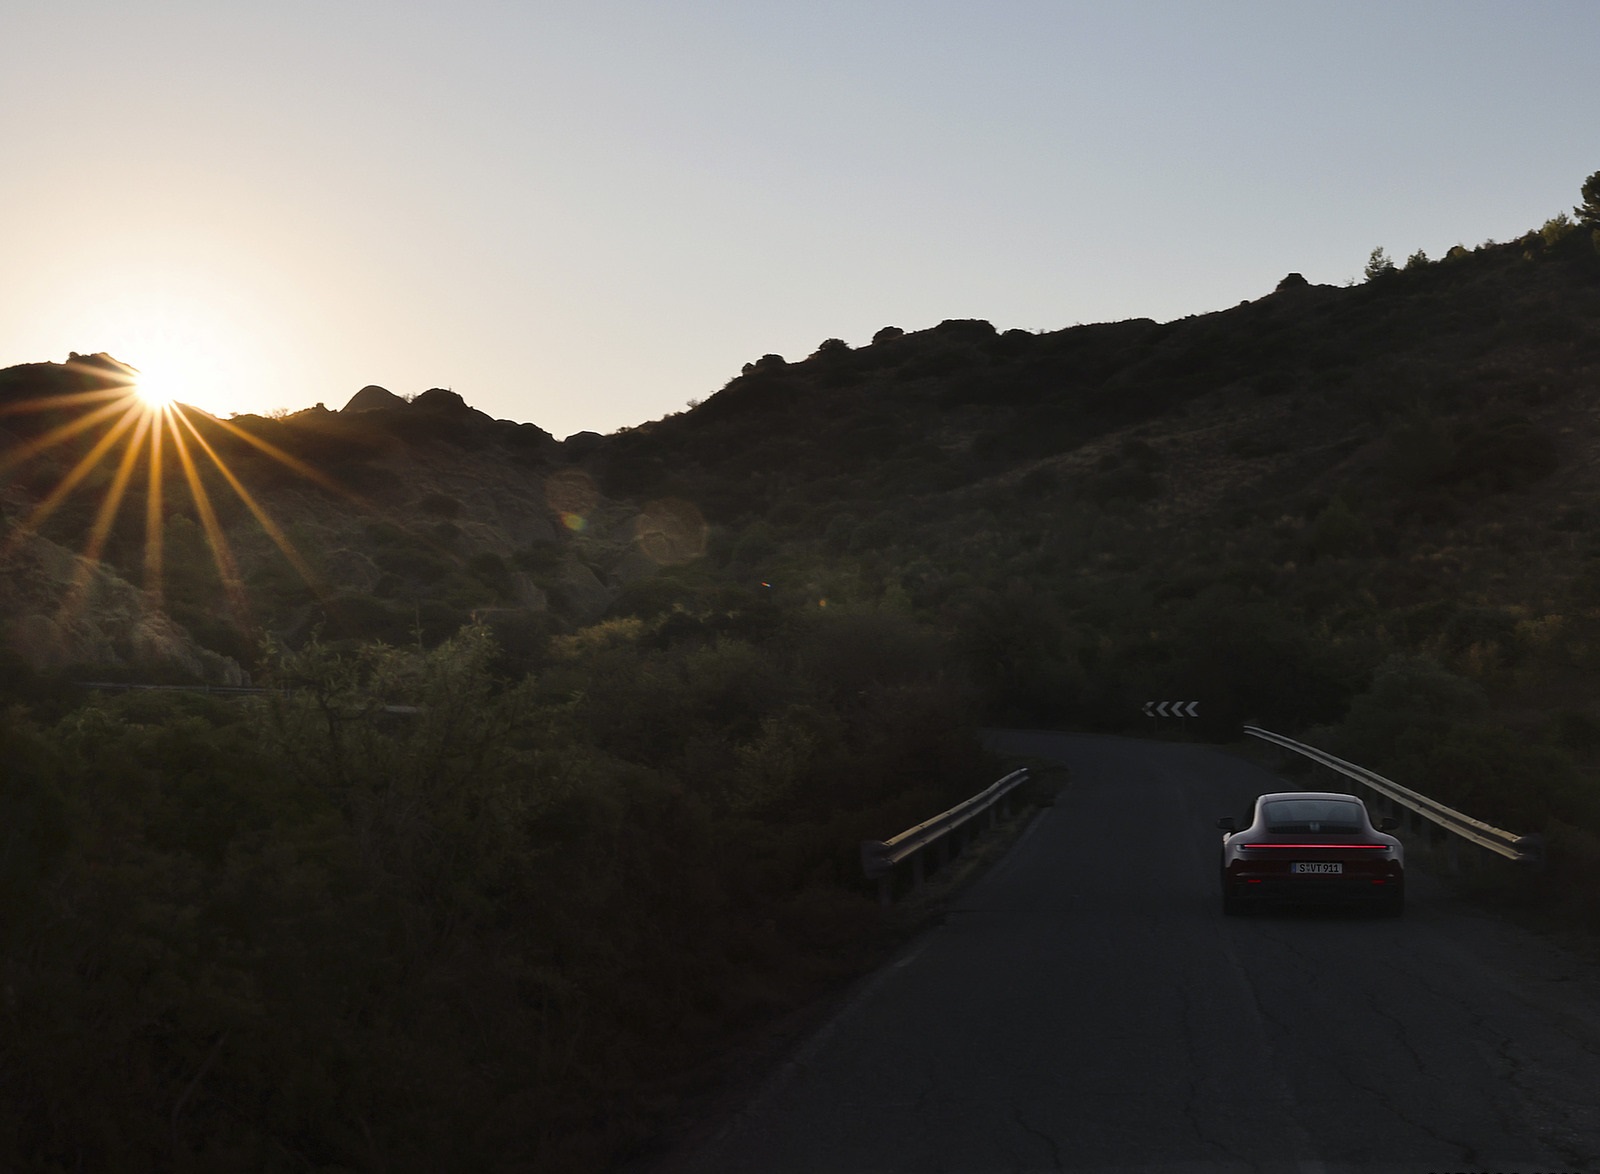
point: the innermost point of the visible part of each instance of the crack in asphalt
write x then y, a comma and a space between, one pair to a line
1402, 1033
1057, 1162
1191, 1104
1553, 1120
1540, 1107
1268, 1042
1468, 1152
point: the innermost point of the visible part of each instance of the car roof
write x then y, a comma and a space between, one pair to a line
1307, 795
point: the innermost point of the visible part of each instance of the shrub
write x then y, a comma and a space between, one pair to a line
1339, 532
755, 545
1557, 229
440, 505
973, 329
1411, 702
1125, 483
874, 533
1276, 381
1511, 452
492, 570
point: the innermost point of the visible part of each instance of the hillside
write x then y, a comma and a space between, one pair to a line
1255, 508
569, 746
1437, 403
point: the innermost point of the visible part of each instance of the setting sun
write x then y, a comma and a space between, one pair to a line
154, 392
179, 363
190, 343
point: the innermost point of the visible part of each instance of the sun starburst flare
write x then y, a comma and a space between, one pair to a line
154, 394
140, 422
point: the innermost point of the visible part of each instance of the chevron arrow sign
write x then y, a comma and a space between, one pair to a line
1172, 708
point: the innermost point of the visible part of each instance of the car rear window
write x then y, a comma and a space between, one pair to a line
1313, 815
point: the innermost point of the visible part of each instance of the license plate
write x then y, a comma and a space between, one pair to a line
1325, 868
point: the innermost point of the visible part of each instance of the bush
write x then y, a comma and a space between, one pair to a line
440, 505
1556, 229
1338, 532
972, 329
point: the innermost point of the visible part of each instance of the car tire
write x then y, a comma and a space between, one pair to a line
1394, 905
1231, 905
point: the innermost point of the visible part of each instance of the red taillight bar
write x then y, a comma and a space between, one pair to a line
1377, 847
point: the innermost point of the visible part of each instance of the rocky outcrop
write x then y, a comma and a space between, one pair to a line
64, 612
373, 398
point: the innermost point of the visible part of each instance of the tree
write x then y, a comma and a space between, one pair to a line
1379, 264
1557, 227
1589, 211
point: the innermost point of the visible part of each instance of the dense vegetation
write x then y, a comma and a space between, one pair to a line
308, 932
571, 745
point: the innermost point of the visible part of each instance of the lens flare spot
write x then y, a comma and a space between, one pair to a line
577, 523
670, 532
571, 491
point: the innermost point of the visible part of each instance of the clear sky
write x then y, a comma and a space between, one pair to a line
585, 214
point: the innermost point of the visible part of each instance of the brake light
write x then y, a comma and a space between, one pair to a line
1297, 847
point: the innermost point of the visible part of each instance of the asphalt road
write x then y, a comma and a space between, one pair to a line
1087, 1007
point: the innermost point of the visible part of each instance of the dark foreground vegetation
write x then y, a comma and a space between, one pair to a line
570, 745
306, 932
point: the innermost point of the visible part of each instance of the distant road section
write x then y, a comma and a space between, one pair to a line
1086, 1007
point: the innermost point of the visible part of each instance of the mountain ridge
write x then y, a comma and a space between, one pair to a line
1447, 386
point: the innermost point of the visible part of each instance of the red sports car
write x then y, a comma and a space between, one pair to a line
1312, 846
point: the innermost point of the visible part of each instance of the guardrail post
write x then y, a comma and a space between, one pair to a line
886, 890
916, 871
1452, 853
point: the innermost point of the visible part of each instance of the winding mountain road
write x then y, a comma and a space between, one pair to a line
1086, 1007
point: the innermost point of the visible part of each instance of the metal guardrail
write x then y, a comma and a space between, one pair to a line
879, 857
1524, 849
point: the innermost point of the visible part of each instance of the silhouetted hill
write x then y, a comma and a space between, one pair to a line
1403, 466
570, 746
